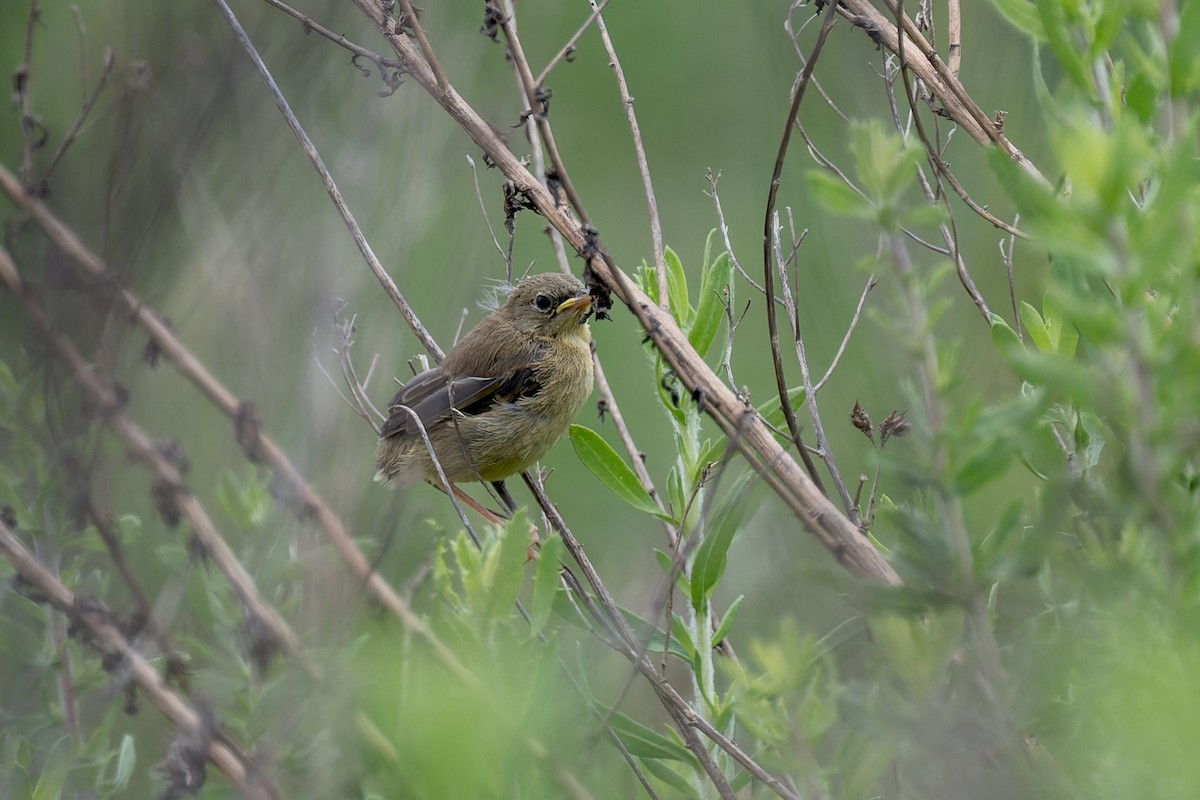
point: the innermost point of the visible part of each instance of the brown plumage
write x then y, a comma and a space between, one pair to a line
502, 397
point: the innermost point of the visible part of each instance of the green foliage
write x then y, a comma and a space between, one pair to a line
603, 462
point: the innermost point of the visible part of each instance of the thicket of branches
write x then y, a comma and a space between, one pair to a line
1041, 643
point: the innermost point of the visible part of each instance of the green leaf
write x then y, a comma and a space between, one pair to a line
1063, 335
668, 775
772, 412
645, 742
712, 304
834, 195
1036, 328
126, 761
1022, 15
1055, 25
681, 634
502, 566
247, 502
709, 563
545, 583
603, 462
54, 774
664, 561
727, 619
677, 292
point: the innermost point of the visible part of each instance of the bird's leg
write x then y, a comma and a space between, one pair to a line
491, 516
507, 499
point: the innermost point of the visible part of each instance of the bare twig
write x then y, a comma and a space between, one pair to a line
640, 150
535, 100
1007, 255
810, 394
570, 45
411, 20
89, 101
318, 163
505, 254
312, 26
862, 301
737, 265
802, 80
955, 101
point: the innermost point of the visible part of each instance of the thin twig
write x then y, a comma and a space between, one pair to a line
89, 102
862, 301
505, 254
810, 394
312, 26
737, 265
310, 150
785, 403
536, 103
570, 45
1007, 255
410, 19
639, 148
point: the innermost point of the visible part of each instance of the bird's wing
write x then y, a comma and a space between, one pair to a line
432, 395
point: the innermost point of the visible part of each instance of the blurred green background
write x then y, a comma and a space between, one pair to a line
188, 183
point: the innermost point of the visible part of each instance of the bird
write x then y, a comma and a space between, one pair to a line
502, 397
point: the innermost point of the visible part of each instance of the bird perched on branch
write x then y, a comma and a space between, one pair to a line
502, 397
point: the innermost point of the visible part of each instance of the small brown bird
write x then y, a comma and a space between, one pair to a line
502, 397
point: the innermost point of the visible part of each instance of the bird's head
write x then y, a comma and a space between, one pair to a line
550, 304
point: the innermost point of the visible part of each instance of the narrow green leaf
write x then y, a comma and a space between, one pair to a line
680, 633
708, 243
545, 583
772, 411
1035, 326
1055, 24
727, 619
503, 564
664, 561
54, 774
603, 462
834, 195
711, 310
668, 775
1022, 15
710, 559
675, 492
677, 292
1063, 335
645, 742
126, 761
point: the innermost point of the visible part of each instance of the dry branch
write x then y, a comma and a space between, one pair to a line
738, 421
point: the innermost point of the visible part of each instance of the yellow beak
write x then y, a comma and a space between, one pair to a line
578, 304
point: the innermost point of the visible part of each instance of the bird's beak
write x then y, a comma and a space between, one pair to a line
578, 304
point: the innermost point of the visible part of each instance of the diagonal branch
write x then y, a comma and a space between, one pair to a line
308, 503
753, 438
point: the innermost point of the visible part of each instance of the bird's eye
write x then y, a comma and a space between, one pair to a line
543, 303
